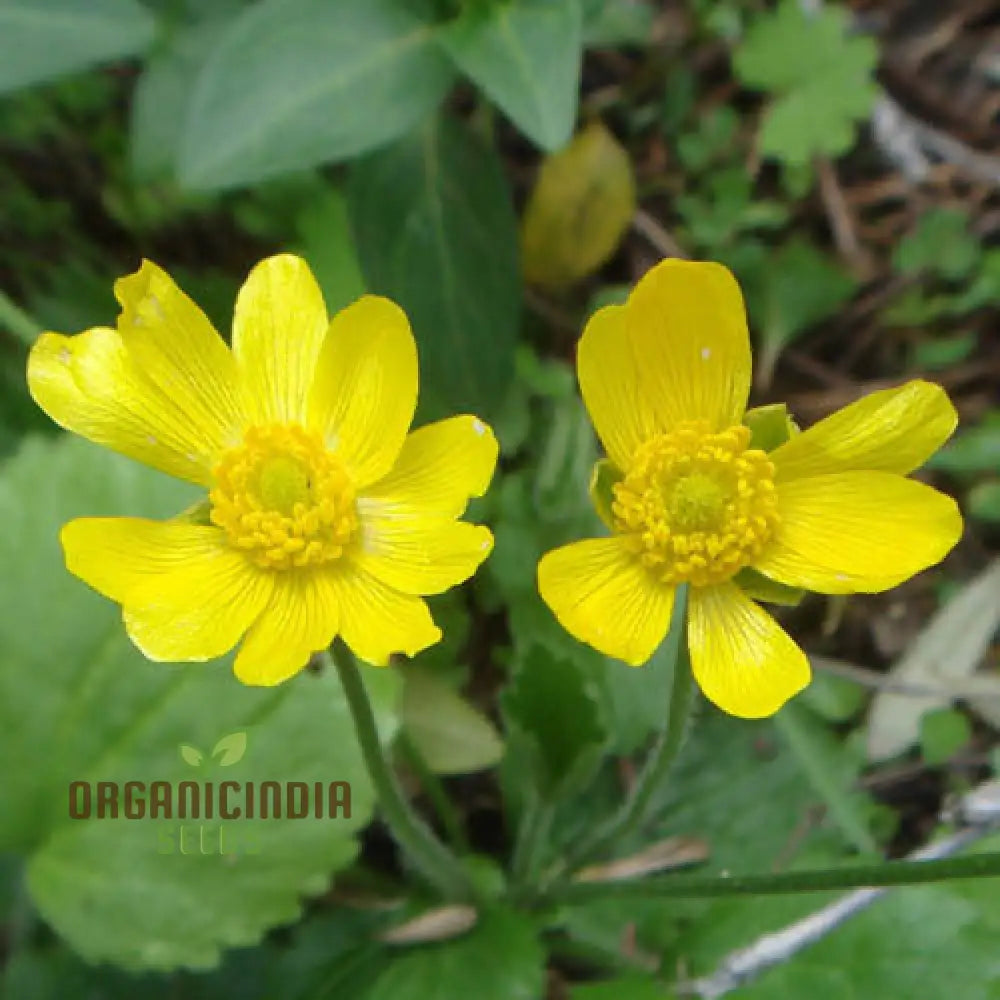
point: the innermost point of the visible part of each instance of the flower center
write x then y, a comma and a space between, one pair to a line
284, 499
696, 506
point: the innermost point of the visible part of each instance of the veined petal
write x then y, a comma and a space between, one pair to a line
440, 467
689, 329
609, 368
300, 619
161, 388
417, 552
365, 389
894, 430
377, 621
186, 594
741, 658
279, 324
858, 532
605, 597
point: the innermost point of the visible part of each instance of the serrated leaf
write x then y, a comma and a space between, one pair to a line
295, 83
191, 755
78, 702
500, 959
578, 210
436, 232
949, 648
230, 749
553, 712
43, 39
823, 79
452, 736
525, 54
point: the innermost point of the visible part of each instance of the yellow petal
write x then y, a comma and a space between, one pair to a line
377, 621
858, 532
365, 390
300, 619
418, 552
441, 466
610, 371
689, 328
606, 598
160, 389
741, 658
186, 594
894, 430
279, 324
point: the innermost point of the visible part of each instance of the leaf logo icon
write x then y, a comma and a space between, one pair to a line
230, 749
191, 755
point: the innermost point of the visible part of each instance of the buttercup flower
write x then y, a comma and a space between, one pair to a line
666, 378
323, 515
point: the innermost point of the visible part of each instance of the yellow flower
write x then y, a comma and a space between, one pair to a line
324, 516
666, 379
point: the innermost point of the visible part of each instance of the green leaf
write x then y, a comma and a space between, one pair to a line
629, 988
823, 79
974, 450
984, 501
436, 232
616, 22
500, 959
326, 241
792, 290
294, 83
163, 94
943, 352
42, 39
525, 54
941, 244
579, 209
942, 734
191, 755
79, 703
452, 736
555, 723
230, 749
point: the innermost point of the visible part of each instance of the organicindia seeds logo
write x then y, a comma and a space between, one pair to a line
209, 800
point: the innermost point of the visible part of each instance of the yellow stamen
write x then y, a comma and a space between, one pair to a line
697, 506
286, 500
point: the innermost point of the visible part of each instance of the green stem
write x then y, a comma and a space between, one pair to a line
434, 790
532, 838
17, 321
888, 873
635, 811
439, 867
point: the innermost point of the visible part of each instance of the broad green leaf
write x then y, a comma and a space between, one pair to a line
452, 736
822, 78
162, 96
43, 39
79, 703
910, 944
294, 83
230, 749
500, 959
326, 241
984, 501
942, 353
525, 54
436, 232
630, 988
578, 210
555, 722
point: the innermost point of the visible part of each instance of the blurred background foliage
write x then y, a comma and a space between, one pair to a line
502, 168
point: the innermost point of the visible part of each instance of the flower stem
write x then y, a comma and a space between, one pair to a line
438, 866
635, 811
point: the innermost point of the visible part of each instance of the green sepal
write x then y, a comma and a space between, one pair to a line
602, 481
197, 513
770, 426
760, 588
